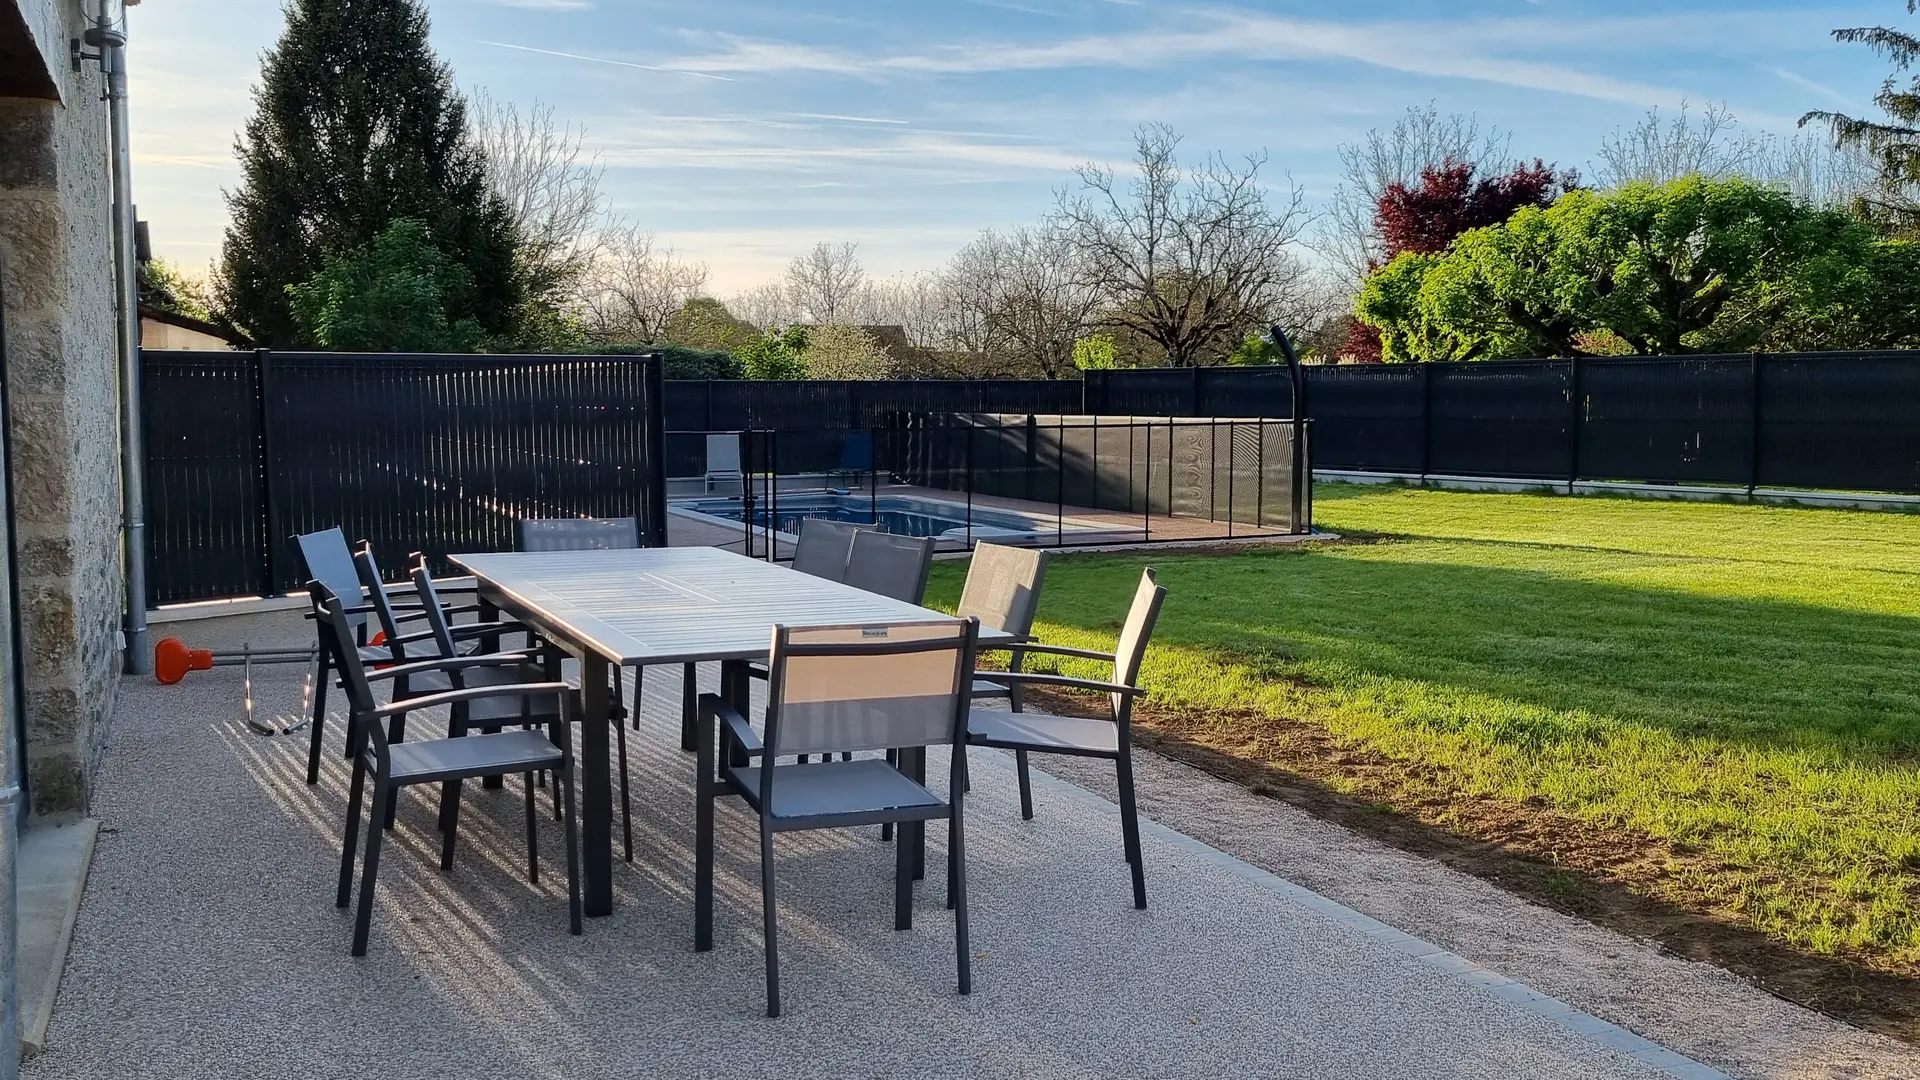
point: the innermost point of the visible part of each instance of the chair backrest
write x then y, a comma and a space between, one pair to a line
331, 563
723, 454
856, 451
337, 630
1137, 630
1003, 587
834, 689
436, 615
891, 565
376, 592
825, 546
579, 534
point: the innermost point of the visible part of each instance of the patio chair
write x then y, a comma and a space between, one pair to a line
329, 561
723, 459
1112, 738
447, 637
856, 456
891, 565
825, 546
1003, 592
391, 766
840, 689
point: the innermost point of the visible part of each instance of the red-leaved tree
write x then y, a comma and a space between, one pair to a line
1449, 200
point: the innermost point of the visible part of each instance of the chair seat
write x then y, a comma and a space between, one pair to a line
1048, 734
863, 786
473, 755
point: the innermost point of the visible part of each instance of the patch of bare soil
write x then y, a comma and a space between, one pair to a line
1638, 885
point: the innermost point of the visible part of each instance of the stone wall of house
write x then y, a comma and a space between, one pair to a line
56, 270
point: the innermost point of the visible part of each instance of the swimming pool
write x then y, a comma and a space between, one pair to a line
906, 515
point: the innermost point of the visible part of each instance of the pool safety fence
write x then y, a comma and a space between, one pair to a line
1031, 479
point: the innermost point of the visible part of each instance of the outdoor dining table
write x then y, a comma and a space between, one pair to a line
648, 607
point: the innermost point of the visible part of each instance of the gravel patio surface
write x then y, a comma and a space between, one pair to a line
208, 945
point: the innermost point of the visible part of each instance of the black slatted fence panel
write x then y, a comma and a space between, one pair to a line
1683, 420
1507, 418
1841, 420
441, 454
1368, 418
205, 531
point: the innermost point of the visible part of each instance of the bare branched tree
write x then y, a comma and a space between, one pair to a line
765, 306
551, 186
1347, 236
634, 284
823, 285
916, 303
1191, 259
1810, 168
1021, 294
1710, 145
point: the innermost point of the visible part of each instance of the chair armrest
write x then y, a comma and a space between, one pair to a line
1017, 678
481, 629
1036, 647
451, 697
448, 663
737, 727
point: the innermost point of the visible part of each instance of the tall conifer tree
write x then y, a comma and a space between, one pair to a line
356, 124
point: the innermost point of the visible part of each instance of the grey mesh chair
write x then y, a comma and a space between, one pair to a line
329, 561
1003, 592
387, 767
1032, 733
447, 639
891, 565
579, 534
825, 546
840, 689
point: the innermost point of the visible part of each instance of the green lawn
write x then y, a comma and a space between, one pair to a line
1737, 680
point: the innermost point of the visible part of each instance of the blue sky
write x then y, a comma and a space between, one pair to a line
743, 132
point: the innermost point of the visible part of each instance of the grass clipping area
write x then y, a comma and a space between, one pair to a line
1719, 702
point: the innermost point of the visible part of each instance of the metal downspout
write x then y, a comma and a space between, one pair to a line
113, 60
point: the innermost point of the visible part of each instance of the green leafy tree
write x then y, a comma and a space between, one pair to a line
356, 125
164, 286
1256, 351
840, 351
777, 354
1691, 266
703, 322
387, 296
1895, 142
1096, 352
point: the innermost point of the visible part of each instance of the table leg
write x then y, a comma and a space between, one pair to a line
689, 701
596, 788
736, 689
919, 827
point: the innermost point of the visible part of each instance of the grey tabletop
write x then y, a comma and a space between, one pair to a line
676, 605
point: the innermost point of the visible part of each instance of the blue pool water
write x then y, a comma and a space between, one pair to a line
902, 516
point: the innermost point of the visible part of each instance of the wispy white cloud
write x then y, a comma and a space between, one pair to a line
605, 60
1797, 79
545, 5
852, 119
1451, 49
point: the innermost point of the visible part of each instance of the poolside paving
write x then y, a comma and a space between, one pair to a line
208, 945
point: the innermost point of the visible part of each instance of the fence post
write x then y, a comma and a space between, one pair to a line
1753, 423
1426, 419
1573, 422
263, 447
653, 449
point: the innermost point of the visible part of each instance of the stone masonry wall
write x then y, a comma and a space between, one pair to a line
56, 267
